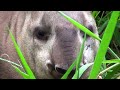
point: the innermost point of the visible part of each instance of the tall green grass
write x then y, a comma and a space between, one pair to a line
104, 42
29, 74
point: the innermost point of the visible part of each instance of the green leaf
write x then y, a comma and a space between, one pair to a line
24, 63
103, 26
80, 26
77, 61
82, 70
79, 57
112, 61
69, 70
117, 35
115, 68
104, 45
84, 29
24, 75
5, 60
94, 13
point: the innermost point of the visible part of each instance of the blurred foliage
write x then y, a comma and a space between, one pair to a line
102, 20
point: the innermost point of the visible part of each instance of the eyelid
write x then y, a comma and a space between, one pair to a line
41, 33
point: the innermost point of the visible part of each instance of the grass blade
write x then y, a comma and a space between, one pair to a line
110, 69
94, 13
115, 68
82, 70
80, 26
11, 62
86, 30
77, 61
101, 18
69, 70
24, 63
79, 57
112, 61
103, 26
104, 45
24, 75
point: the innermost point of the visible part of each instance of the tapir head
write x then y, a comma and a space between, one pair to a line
56, 42
50, 43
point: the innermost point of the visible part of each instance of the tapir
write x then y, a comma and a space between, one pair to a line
48, 41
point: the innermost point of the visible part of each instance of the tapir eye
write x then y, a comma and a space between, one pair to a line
41, 33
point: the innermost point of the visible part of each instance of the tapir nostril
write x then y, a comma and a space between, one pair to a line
63, 71
60, 70
50, 67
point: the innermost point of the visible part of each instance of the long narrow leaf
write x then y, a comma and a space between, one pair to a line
112, 61
84, 29
103, 26
104, 45
24, 75
77, 61
81, 27
25, 65
94, 13
79, 57
82, 70
72, 21
69, 70
5, 60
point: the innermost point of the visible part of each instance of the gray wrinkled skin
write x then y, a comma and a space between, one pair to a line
48, 41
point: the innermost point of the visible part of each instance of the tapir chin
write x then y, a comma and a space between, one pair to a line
47, 40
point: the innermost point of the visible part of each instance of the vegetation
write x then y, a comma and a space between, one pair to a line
108, 28
107, 61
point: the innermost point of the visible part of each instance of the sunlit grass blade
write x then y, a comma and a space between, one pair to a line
112, 61
82, 70
104, 44
5, 60
24, 63
79, 57
24, 75
80, 26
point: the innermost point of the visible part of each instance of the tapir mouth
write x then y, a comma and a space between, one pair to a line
57, 75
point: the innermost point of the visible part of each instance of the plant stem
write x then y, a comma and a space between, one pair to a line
108, 68
11, 62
